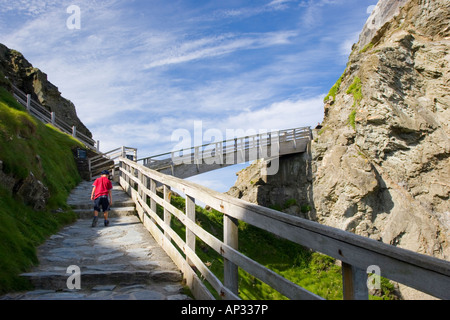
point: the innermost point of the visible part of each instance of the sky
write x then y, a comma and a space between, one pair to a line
139, 71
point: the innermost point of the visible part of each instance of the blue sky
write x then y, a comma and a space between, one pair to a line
139, 70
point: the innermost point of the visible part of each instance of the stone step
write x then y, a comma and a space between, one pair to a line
89, 204
80, 198
92, 278
88, 213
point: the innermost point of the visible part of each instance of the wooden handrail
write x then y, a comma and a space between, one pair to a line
424, 273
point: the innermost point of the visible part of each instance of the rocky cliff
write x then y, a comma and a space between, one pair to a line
23, 75
379, 166
381, 158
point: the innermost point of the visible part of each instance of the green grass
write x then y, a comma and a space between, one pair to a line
356, 90
334, 89
27, 145
367, 47
352, 119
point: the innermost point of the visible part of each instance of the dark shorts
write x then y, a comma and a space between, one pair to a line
101, 202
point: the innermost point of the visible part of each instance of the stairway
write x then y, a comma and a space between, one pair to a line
118, 262
83, 206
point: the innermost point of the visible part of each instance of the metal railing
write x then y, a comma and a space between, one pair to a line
248, 148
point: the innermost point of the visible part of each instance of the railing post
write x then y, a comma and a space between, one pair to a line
295, 141
167, 214
190, 214
89, 168
53, 118
152, 201
28, 102
74, 131
354, 283
139, 189
197, 157
230, 234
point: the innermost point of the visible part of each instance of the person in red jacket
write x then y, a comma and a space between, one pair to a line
101, 194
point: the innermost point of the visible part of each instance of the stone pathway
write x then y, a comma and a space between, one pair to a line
118, 262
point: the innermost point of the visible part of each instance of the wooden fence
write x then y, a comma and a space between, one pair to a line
424, 273
46, 116
109, 160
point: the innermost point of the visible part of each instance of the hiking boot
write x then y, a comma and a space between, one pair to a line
106, 223
94, 222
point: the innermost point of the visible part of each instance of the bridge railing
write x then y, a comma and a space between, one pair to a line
357, 254
248, 148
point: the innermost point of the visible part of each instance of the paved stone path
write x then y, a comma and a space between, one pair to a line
121, 261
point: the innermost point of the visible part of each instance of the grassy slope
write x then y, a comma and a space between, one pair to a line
28, 145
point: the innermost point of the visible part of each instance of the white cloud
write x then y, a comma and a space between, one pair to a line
247, 12
280, 115
184, 51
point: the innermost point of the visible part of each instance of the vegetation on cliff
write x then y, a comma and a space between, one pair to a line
28, 146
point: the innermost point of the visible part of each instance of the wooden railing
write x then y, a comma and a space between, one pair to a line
46, 116
357, 254
109, 160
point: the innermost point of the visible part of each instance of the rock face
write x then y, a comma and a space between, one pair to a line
30, 190
381, 158
380, 164
32, 80
290, 190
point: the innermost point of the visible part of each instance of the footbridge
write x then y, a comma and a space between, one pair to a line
185, 163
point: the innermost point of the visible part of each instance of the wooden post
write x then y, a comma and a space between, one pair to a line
28, 102
190, 214
230, 234
139, 189
354, 282
167, 214
89, 168
153, 202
